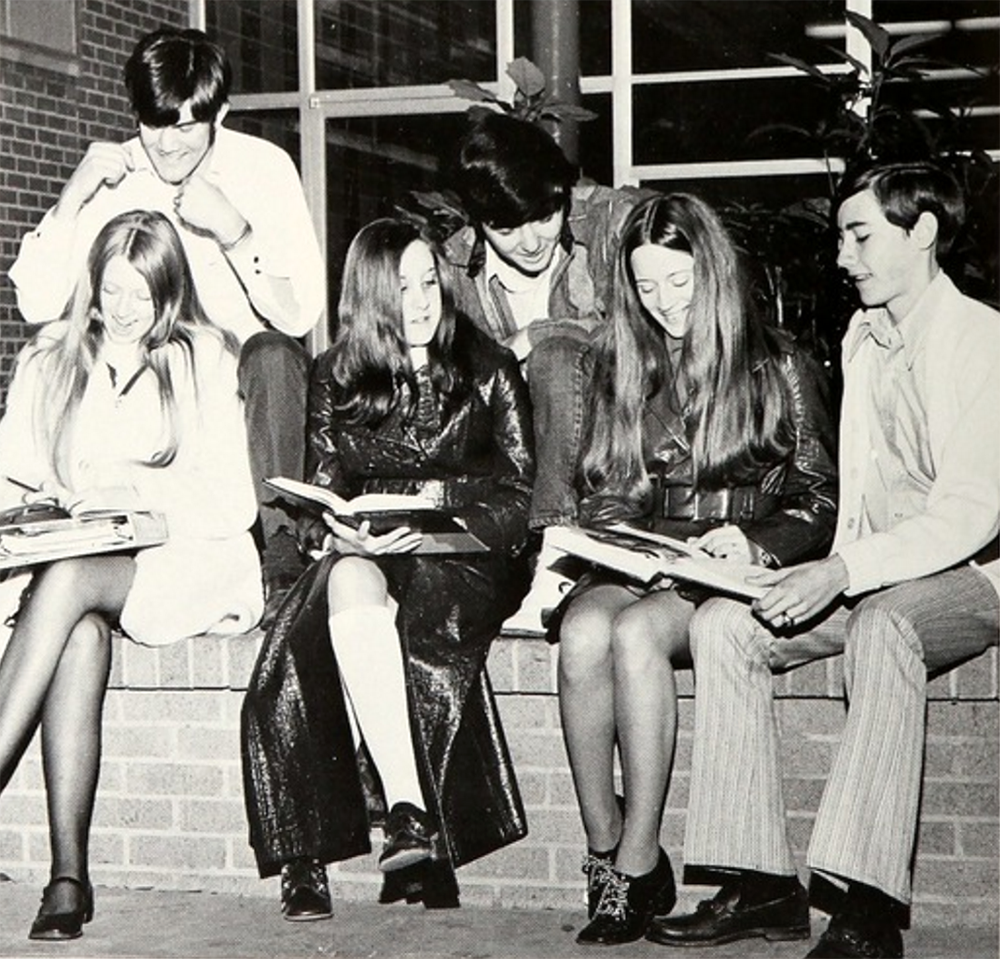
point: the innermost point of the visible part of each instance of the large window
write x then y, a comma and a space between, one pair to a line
689, 93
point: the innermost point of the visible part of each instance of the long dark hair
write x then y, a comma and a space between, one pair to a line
371, 366
150, 244
736, 415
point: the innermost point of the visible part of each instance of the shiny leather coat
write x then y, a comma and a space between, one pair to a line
307, 788
800, 490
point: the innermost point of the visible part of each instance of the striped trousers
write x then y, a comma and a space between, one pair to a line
866, 823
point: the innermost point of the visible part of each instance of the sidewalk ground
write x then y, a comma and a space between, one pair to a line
200, 925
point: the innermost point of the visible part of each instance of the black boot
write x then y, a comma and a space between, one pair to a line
749, 905
305, 894
628, 903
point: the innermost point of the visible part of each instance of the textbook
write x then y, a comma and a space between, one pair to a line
39, 534
648, 557
442, 531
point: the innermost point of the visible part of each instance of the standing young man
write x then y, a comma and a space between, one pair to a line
238, 205
910, 588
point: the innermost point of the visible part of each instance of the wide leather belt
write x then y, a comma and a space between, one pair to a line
730, 505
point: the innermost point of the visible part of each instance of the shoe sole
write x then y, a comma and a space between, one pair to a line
404, 858
308, 917
771, 934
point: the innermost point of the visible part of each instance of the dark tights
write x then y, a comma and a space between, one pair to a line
55, 672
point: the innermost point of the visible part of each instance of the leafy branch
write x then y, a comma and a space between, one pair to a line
531, 102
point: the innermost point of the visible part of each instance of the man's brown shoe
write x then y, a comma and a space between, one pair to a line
730, 916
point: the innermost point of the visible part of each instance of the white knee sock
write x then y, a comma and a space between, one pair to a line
366, 644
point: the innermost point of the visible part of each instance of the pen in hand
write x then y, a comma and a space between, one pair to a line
23, 485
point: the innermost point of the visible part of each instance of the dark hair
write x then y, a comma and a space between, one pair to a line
737, 413
509, 172
905, 190
169, 67
370, 364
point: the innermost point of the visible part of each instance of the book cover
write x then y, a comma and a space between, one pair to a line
30, 539
442, 531
648, 557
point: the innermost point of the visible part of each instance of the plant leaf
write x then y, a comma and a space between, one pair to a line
528, 79
566, 111
800, 65
468, 90
873, 33
903, 44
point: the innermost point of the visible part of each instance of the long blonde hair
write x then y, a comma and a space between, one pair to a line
737, 412
150, 244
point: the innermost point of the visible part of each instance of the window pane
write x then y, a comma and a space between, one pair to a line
371, 165
596, 153
730, 120
403, 42
708, 35
261, 38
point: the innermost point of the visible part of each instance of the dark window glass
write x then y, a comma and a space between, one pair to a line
727, 120
281, 127
596, 159
261, 38
670, 35
403, 42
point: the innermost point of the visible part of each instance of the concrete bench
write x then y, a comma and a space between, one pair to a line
170, 809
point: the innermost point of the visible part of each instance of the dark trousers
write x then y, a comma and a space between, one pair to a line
273, 379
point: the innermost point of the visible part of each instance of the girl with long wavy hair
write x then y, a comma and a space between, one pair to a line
379, 652
129, 402
706, 425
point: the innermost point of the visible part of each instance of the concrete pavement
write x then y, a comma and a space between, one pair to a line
201, 925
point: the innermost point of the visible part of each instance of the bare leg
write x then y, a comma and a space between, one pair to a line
586, 705
646, 636
64, 593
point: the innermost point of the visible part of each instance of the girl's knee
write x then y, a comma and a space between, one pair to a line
584, 642
355, 581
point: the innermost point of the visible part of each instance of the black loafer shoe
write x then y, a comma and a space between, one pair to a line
850, 936
67, 924
305, 895
628, 903
726, 918
409, 837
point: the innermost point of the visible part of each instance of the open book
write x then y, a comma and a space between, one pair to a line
650, 556
443, 532
42, 533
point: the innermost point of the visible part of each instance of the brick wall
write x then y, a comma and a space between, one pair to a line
170, 808
48, 117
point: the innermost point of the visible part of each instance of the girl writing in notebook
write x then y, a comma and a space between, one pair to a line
370, 690
704, 424
130, 402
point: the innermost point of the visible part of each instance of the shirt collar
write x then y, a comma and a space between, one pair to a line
512, 279
910, 332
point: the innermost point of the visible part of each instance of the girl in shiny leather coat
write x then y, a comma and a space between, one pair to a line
706, 426
411, 398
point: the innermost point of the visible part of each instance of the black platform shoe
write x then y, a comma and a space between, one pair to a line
64, 925
305, 894
409, 837
430, 881
628, 903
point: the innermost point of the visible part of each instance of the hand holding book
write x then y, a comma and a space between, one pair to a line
440, 531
